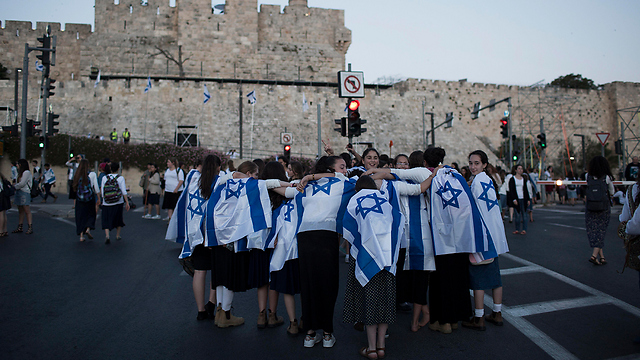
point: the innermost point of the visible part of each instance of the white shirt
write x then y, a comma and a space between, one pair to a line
25, 182
633, 224
49, 176
519, 187
172, 178
121, 184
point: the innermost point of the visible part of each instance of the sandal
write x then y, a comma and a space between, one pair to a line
516, 232
29, 230
81, 239
603, 261
378, 350
88, 235
3, 234
594, 261
18, 229
367, 353
523, 232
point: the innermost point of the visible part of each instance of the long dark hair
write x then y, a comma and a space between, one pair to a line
82, 173
274, 170
249, 167
210, 169
298, 170
325, 165
416, 159
599, 167
365, 182
23, 165
434, 156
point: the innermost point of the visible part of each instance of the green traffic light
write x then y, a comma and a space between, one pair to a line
515, 158
41, 145
71, 155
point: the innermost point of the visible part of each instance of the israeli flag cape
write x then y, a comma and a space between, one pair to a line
185, 226
322, 204
284, 230
485, 197
456, 223
238, 208
419, 253
374, 226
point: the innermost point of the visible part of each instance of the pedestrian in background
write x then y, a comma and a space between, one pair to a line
23, 196
114, 136
153, 193
518, 197
49, 181
6, 189
598, 213
144, 184
173, 180
72, 164
14, 172
85, 185
631, 171
113, 191
126, 136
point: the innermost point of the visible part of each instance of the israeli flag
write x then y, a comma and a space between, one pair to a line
186, 224
95, 85
241, 207
146, 89
374, 226
207, 96
322, 204
495, 240
252, 97
456, 223
305, 104
39, 66
419, 254
284, 231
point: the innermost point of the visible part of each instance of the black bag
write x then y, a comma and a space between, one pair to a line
597, 194
8, 189
35, 188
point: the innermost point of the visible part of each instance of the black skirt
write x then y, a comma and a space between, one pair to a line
374, 303
85, 216
319, 282
202, 258
170, 200
259, 268
287, 280
449, 298
230, 269
415, 286
112, 216
72, 194
5, 202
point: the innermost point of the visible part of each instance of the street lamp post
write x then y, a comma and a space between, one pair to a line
15, 96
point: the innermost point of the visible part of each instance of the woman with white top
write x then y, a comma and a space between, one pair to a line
23, 196
173, 186
112, 211
85, 186
518, 197
598, 221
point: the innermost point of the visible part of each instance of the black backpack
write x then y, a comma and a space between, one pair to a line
597, 194
35, 188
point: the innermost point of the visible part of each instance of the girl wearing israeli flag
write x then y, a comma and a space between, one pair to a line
485, 274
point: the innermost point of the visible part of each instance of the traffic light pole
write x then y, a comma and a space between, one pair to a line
25, 88
44, 121
510, 138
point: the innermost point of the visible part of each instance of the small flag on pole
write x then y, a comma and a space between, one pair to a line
207, 96
97, 80
305, 104
148, 85
39, 66
252, 97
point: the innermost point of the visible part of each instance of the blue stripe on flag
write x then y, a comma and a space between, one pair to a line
478, 226
255, 205
364, 260
396, 216
348, 190
182, 213
216, 193
416, 245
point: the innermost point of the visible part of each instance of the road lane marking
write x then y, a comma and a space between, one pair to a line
518, 270
550, 306
569, 226
65, 221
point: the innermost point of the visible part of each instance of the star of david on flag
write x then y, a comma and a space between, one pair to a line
207, 96
238, 185
252, 97
486, 187
288, 208
376, 206
453, 201
196, 203
325, 188
146, 89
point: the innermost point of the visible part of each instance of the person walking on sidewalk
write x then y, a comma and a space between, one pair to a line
113, 192
174, 179
85, 185
23, 196
153, 193
49, 181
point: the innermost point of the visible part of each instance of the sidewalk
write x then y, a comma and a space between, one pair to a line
63, 207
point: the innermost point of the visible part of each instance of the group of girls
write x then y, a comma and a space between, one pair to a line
293, 248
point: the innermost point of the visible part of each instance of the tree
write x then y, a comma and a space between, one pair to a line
170, 57
572, 81
4, 72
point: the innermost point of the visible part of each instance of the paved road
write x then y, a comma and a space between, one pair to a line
130, 300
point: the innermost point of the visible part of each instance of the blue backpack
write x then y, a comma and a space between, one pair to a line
84, 192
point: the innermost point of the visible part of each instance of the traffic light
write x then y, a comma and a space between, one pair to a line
34, 128
516, 155
41, 142
71, 154
354, 125
48, 86
504, 125
476, 111
618, 147
45, 42
12, 129
542, 140
287, 151
343, 126
448, 121
52, 123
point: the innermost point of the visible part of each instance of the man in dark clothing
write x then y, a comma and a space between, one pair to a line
632, 170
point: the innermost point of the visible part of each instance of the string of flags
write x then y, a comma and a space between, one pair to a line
252, 97
207, 96
146, 89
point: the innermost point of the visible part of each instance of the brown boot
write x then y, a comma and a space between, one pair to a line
226, 320
262, 319
476, 323
274, 320
293, 328
495, 318
216, 319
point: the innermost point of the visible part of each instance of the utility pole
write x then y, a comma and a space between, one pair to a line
25, 88
240, 115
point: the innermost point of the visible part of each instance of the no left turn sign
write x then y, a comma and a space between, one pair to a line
351, 84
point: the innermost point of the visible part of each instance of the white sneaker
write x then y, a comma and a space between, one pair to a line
310, 341
156, 217
147, 216
166, 219
328, 341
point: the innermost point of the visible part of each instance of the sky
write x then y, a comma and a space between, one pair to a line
494, 41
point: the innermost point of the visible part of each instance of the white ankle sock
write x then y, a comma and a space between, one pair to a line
227, 299
479, 312
497, 307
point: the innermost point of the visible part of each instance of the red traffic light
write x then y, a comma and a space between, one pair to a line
354, 105
504, 122
287, 147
